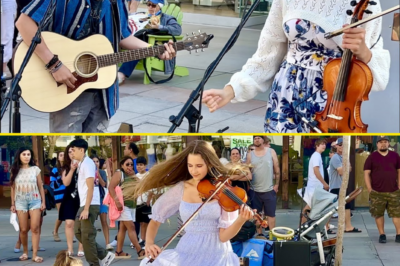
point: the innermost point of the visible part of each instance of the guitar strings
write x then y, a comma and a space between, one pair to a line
119, 56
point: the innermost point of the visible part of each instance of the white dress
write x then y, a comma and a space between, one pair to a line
201, 244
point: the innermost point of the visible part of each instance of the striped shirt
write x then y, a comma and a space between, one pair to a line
68, 17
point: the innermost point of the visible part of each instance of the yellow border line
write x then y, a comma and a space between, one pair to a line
193, 134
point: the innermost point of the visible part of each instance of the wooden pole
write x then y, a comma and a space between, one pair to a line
116, 149
37, 147
285, 173
342, 196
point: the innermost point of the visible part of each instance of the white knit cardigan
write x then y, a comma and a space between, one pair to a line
259, 71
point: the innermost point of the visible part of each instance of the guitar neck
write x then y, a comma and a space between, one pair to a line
132, 55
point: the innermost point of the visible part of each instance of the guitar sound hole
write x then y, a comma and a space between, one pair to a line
86, 65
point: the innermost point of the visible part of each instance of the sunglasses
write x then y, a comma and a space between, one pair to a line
129, 164
152, 5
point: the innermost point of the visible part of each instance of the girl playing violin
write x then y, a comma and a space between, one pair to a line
206, 239
290, 59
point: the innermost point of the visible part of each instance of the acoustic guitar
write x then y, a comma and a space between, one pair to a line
91, 60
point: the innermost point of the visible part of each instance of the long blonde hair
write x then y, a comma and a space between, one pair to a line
175, 169
63, 259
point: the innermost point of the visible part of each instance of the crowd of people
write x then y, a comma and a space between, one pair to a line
79, 188
83, 192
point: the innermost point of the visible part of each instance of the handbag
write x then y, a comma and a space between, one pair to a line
143, 35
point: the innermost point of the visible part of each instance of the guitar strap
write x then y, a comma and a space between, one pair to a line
115, 14
164, 80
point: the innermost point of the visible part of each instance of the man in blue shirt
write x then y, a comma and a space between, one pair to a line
78, 19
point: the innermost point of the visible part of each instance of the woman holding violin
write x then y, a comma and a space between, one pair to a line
291, 57
206, 238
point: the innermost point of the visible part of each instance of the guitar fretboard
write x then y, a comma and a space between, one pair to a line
126, 56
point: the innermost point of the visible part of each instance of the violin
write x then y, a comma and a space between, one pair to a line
230, 198
348, 82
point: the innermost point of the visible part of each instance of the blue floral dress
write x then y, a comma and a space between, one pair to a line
297, 87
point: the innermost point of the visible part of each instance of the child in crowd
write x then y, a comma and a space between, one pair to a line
143, 207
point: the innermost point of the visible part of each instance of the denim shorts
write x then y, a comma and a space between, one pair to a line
24, 204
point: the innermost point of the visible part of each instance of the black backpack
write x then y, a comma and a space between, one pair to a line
246, 232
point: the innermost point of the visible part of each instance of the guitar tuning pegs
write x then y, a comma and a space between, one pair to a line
353, 3
368, 11
349, 12
372, 3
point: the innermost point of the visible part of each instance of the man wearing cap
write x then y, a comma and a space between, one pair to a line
335, 176
382, 178
155, 19
265, 182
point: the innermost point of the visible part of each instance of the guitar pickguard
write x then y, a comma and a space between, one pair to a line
79, 81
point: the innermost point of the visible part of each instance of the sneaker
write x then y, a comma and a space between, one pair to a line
109, 247
142, 243
56, 237
114, 243
382, 239
108, 259
397, 239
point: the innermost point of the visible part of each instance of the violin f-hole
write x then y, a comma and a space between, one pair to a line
349, 119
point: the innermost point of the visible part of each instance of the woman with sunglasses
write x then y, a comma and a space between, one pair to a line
157, 20
124, 175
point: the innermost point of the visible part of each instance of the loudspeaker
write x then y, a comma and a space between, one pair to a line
292, 253
244, 261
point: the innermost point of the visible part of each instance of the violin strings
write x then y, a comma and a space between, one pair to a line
232, 196
342, 79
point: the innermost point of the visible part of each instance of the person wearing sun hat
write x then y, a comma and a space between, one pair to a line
382, 179
155, 19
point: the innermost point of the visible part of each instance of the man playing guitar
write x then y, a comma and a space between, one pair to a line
78, 19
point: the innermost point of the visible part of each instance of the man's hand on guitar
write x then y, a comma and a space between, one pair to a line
170, 51
64, 75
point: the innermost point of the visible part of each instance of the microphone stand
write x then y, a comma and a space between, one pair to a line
15, 89
188, 110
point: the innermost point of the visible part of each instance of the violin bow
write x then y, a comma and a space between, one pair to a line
329, 35
190, 219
